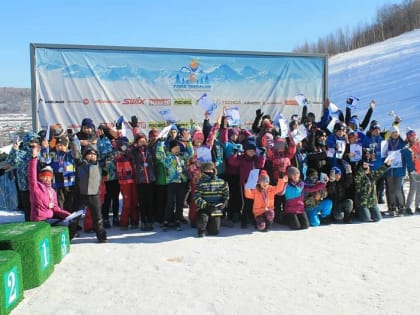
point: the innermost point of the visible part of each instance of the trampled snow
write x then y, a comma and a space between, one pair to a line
358, 268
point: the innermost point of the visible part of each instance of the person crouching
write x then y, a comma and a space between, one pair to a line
211, 196
263, 196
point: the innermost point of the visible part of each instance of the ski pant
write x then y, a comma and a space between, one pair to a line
207, 222
342, 209
297, 221
323, 210
395, 195
370, 214
192, 212
145, 197
176, 194
93, 202
65, 198
112, 195
130, 207
413, 194
25, 203
264, 220
160, 198
235, 198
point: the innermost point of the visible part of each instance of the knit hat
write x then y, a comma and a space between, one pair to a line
250, 146
198, 135
292, 171
320, 133
46, 171
90, 149
153, 133
174, 127
339, 126
63, 140
336, 169
139, 136
173, 143
279, 143
87, 122
353, 134
410, 133
375, 126
263, 178
394, 129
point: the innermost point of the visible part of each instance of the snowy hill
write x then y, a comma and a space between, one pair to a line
388, 72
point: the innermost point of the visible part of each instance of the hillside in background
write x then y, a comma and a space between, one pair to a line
15, 100
387, 72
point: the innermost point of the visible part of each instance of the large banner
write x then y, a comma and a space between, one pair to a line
70, 83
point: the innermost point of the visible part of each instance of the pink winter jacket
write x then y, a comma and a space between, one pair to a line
41, 196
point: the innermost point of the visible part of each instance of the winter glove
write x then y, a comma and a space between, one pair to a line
134, 121
347, 167
118, 123
259, 113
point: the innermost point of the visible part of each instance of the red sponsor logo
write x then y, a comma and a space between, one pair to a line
134, 101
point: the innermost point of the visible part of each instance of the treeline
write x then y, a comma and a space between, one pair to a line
391, 20
15, 100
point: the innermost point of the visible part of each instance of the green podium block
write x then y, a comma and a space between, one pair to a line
32, 240
60, 242
11, 288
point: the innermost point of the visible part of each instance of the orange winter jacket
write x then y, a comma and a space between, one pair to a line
264, 200
415, 153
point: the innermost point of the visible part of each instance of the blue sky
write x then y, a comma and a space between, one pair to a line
265, 25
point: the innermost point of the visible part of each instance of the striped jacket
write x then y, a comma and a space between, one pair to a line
212, 190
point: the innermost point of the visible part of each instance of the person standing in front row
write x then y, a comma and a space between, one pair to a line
176, 166
89, 180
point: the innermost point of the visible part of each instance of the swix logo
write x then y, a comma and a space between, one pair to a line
134, 101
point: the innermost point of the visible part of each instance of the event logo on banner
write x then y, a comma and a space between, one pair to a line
166, 85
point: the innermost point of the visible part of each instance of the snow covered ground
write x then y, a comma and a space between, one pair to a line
335, 269
369, 268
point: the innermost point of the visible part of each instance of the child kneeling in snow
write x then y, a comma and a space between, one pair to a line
263, 196
210, 196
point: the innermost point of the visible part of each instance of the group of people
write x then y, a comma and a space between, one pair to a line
340, 170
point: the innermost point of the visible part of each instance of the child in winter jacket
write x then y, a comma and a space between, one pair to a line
263, 196
89, 177
210, 192
414, 191
294, 192
44, 205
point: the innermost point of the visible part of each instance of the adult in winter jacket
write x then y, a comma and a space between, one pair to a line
366, 201
398, 150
